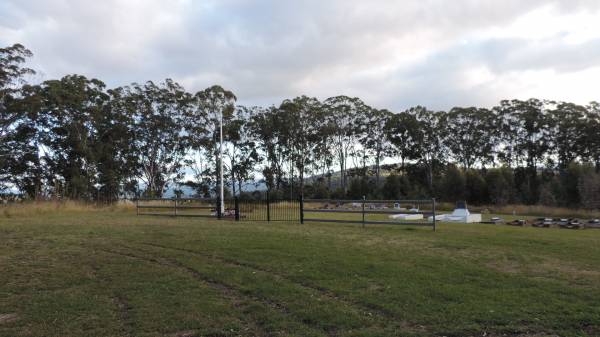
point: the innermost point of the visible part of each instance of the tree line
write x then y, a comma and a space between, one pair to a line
75, 138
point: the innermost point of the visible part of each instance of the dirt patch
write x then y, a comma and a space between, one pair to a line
545, 268
506, 266
552, 265
8, 318
188, 333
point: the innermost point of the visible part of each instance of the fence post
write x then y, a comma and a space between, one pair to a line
301, 209
363, 211
236, 201
268, 207
433, 208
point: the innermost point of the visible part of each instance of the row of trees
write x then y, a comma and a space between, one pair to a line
75, 138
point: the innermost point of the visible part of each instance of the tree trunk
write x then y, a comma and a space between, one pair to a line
430, 175
377, 171
233, 183
301, 180
233, 172
342, 173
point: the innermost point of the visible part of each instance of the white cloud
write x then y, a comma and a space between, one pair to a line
393, 54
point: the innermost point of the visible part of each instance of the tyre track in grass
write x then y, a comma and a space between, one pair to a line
124, 314
124, 309
238, 299
366, 309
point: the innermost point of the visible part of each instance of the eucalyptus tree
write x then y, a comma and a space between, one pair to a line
430, 139
159, 140
591, 143
472, 135
568, 133
374, 138
203, 122
117, 160
342, 116
268, 127
69, 107
304, 134
402, 131
17, 128
12, 76
20, 163
526, 130
242, 150
360, 154
527, 138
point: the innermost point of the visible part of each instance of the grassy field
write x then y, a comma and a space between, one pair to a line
72, 272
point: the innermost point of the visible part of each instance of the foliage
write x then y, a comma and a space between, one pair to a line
75, 138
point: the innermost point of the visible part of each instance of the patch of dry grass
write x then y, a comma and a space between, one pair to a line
37, 208
527, 210
546, 211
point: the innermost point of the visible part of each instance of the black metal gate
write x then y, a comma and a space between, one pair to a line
269, 210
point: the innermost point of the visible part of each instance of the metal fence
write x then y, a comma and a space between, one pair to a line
190, 207
237, 209
420, 212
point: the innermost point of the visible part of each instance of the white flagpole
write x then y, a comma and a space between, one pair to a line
221, 161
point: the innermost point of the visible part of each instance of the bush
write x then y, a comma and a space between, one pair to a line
359, 187
500, 186
453, 184
397, 187
476, 188
589, 190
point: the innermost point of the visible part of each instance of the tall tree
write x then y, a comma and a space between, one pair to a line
304, 132
402, 131
526, 131
591, 138
471, 135
342, 116
267, 126
568, 132
242, 150
160, 143
375, 138
116, 159
18, 153
204, 121
527, 140
70, 106
430, 139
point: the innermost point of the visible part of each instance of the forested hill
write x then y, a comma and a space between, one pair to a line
76, 138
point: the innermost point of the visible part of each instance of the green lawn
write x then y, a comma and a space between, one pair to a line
106, 273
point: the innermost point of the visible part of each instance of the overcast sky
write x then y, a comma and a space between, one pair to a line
392, 54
